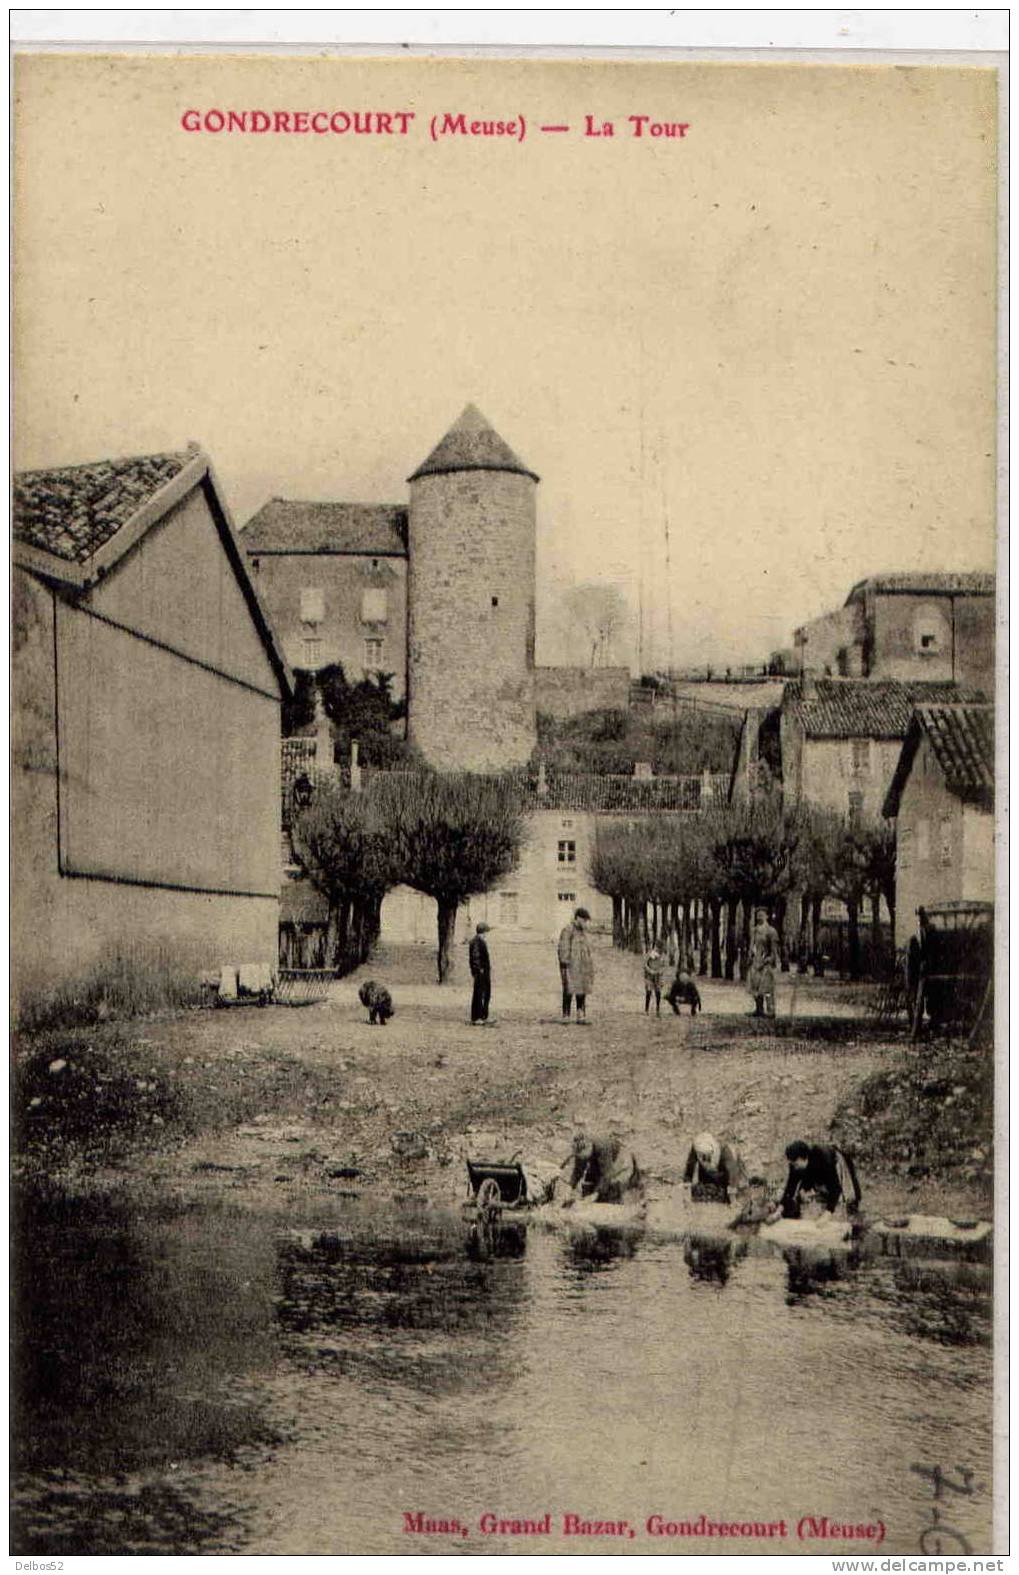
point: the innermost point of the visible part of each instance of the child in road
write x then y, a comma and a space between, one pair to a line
654, 972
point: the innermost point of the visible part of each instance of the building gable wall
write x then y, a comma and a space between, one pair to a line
178, 586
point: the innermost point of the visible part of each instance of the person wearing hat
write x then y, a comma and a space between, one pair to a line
481, 972
576, 964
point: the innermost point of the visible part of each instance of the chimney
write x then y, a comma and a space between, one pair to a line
542, 780
642, 770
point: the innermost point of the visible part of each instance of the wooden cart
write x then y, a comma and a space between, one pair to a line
950, 969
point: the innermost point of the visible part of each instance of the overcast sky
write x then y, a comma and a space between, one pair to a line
752, 365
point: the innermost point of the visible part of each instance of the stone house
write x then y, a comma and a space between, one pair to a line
333, 578
909, 627
841, 738
148, 685
942, 798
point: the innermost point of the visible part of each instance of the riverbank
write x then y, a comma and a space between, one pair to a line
296, 1107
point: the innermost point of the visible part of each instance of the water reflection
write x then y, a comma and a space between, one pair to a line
712, 1262
596, 1250
308, 1388
810, 1273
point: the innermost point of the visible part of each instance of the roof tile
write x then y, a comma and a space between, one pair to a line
866, 707
73, 511
286, 525
975, 583
471, 444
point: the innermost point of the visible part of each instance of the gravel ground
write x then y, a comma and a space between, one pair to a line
286, 1107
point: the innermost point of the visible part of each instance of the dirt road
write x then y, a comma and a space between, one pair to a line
299, 1105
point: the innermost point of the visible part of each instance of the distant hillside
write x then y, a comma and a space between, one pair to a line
614, 741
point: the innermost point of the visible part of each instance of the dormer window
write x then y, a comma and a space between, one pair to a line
374, 605
313, 608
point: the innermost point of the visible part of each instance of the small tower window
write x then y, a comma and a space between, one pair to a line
495, 601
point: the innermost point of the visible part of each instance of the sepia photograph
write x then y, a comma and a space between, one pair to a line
505, 624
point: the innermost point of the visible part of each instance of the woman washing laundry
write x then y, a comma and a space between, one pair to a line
713, 1170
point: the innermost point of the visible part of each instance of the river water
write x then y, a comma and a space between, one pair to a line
201, 1379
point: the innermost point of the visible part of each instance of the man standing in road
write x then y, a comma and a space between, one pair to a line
576, 965
481, 973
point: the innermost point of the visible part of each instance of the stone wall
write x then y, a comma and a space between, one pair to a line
341, 634
569, 691
471, 619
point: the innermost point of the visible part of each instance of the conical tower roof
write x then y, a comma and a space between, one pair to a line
471, 444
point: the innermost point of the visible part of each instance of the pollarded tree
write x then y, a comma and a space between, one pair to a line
343, 844
754, 845
854, 860
452, 836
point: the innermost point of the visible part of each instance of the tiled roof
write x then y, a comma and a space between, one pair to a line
471, 444
73, 511
866, 707
962, 739
624, 795
976, 583
595, 794
285, 525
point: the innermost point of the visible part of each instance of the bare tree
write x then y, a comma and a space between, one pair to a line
594, 617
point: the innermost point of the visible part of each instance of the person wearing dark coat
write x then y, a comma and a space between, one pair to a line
818, 1168
481, 972
601, 1169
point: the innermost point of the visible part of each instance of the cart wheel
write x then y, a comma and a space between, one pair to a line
488, 1195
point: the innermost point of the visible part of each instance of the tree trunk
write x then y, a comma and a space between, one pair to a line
876, 948
815, 937
853, 909
617, 922
446, 914
643, 924
730, 938
781, 905
802, 934
746, 925
343, 933
889, 896
706, 939
716, 937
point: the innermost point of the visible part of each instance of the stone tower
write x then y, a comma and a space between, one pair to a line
470, 663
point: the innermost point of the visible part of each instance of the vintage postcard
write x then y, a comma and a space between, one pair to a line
504, 639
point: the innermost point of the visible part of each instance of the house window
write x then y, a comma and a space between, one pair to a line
923, 840
861, 756
904, 848
567, 852
946, 841
567, 896
855, 808
495, 601
313, 608
508, 907
567, 825
256, 564
312, 654
374, 605
372, 656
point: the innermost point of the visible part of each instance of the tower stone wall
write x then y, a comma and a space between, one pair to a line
471, 700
